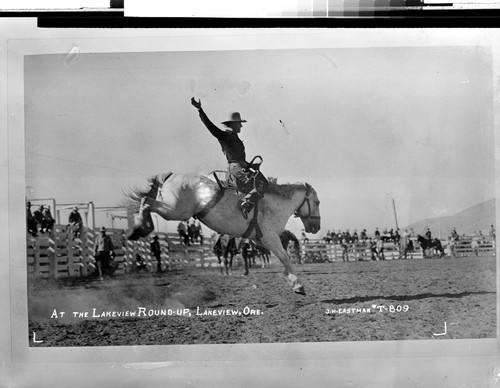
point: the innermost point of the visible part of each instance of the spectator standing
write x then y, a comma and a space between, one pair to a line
451, 246
492, 232
199, 232
475, 246
104, 253
380, 249
192, 232
156, 251
373, 248
396, 237
493, 235
182, 229
345, 250
328, 238
403, 245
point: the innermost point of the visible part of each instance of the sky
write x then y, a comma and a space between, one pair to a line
363, 126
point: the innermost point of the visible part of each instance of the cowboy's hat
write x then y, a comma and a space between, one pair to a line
234, 117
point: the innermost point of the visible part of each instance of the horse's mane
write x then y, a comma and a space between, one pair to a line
286, 190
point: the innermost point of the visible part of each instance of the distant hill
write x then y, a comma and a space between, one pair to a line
475, 218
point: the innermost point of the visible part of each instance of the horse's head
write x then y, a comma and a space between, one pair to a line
308, 210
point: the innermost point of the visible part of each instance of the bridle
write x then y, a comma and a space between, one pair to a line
306, 200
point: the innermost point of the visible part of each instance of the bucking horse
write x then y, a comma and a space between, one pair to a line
175, 196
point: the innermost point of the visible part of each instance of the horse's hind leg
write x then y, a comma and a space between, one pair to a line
246, 259
219, 262
231, 256
143, 222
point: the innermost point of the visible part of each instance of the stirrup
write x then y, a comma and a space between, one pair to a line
246, 207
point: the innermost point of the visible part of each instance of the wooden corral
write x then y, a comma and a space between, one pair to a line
59, 254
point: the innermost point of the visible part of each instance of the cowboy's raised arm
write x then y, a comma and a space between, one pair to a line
204, 118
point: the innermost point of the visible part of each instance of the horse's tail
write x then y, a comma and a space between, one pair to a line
133, 197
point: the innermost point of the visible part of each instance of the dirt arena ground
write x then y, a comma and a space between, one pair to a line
355, 301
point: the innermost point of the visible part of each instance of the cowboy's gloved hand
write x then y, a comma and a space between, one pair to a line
196, 104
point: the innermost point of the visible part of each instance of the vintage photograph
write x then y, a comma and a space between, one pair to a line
248, 196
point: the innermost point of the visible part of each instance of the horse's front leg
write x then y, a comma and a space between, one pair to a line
273, 243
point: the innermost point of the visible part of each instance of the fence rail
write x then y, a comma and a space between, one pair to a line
60, 255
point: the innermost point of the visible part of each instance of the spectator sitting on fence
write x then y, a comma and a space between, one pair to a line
48, 221
31, 225
104, 254
38, 216
377, 233
182, 229
156, 251
454, 235
363, 236
75, 222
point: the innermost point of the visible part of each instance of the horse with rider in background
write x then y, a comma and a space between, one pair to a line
428, 244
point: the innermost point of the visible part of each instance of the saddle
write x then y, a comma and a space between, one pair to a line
256, 180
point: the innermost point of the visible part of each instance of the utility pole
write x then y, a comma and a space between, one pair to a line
395, 215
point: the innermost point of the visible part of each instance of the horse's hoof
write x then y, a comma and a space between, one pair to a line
133, 235
300, 290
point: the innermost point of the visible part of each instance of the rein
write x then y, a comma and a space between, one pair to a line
306, 200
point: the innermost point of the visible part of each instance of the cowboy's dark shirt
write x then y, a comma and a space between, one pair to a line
231, 144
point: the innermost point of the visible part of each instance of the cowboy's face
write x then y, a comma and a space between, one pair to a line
235, 126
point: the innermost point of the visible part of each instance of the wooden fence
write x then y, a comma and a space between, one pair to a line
60, 255
320, 251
